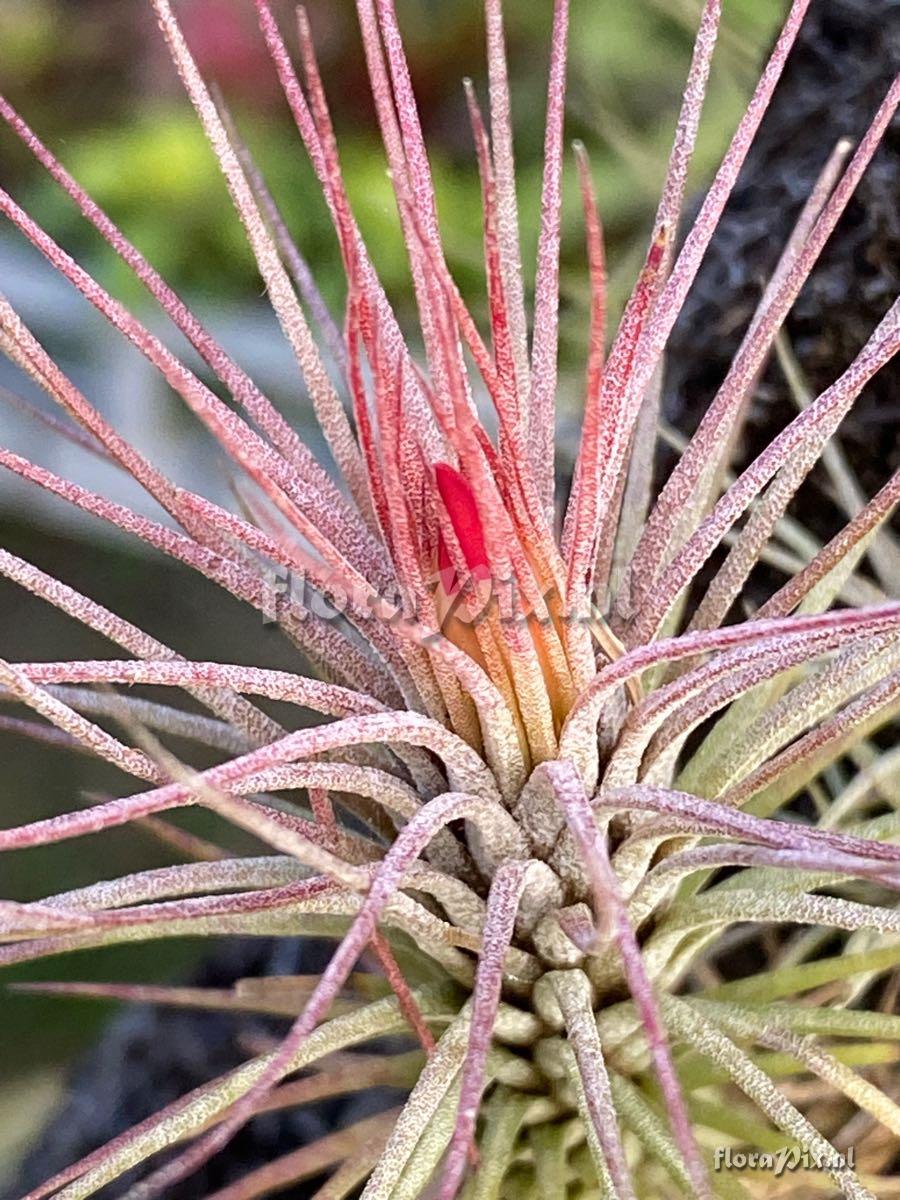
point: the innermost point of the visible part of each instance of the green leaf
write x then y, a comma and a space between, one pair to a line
791, 981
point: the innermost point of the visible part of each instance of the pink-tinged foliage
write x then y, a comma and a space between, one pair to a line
534, 828
752, 353
604, 415
613, 925
542, 406
310, 1161
506, 891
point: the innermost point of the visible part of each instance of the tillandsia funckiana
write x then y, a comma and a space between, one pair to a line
574, 757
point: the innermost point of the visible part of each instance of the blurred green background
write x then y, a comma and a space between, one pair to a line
94, 81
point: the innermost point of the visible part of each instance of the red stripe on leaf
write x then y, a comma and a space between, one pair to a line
462, 509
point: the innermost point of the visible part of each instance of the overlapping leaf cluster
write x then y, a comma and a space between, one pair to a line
555, 788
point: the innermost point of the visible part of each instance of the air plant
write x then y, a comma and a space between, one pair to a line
569, 765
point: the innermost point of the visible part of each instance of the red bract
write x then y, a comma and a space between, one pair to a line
549, 737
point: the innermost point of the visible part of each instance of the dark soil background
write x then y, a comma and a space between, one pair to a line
845, 59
